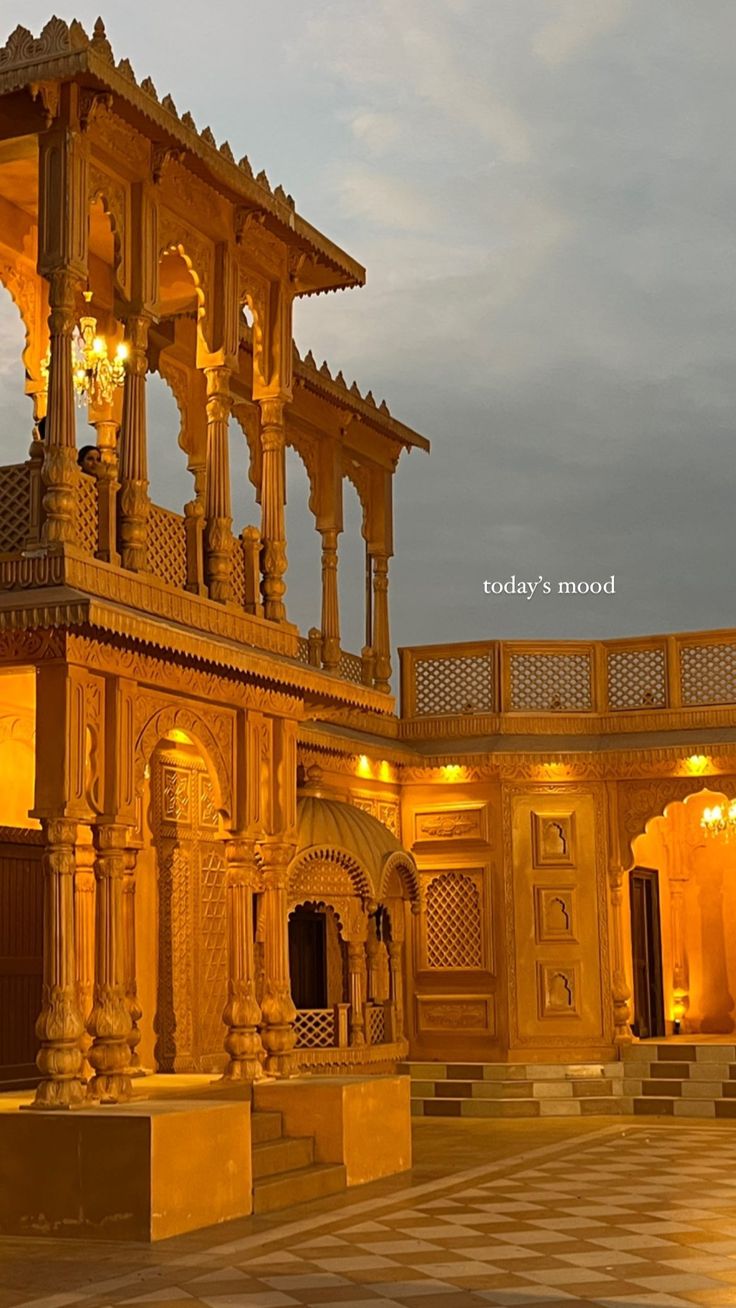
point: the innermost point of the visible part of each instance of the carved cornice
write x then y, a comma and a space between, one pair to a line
65, 51
229, 645
320, 381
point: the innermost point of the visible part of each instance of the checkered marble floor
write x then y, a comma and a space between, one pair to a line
643, 1216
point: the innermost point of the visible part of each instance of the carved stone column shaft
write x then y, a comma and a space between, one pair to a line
357, 977
273, 496
60, 1025
242, 1013
218, 536
109, 1022
277, 1006
84, 935
330, 602
620, 987
396, 974
381, 639
130, 969
60, 474
133, 499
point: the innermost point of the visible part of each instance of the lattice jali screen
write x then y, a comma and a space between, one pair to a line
237, 575
351, 666
213, 938
636, 679
460, 684
376, 1024
15, 507
302, 652
454, 937
87, 520
315, 1028
550, 682
708, 674
167, 546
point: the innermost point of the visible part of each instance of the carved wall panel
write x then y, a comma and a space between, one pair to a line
456, 1013
556, 918
555, 914
558, 990
459, 822
553, 839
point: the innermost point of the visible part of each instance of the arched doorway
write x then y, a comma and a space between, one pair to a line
682, 924
181, 918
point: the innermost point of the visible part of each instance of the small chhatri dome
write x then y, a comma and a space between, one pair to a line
331, 822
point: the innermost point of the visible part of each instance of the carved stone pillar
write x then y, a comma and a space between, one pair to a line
273, 494
381, 640
60, 1025
84, 937
109, 1022
330, 603
372, 948
130, 969
680, 977
218, 536
107, 489
60, 474
396, 974
242, 1013
356, 974
620, 986
277, 1006
133, 498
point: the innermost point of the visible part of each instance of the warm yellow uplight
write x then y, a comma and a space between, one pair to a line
98, 346
384, 770
363, 768
179, 736
696, 764
452, 772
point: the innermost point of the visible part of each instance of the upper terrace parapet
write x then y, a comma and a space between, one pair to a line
562, 688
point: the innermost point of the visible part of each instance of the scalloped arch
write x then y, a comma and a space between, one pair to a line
342, 858
158, 727
405, 869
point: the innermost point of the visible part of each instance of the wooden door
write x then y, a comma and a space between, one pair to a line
21, 955
646, 944
308, 958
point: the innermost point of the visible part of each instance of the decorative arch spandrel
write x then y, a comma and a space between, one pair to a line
219, 760
640, 801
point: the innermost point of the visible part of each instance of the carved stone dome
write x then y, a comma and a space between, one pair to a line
327, 824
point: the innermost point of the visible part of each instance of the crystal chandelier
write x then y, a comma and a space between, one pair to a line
720, 821
96, 376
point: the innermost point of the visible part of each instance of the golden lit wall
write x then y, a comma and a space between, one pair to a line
17, 746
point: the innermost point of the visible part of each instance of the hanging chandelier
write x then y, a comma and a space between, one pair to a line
95, 375
720, 821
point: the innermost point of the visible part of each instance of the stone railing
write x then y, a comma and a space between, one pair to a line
676, 674
328, 1028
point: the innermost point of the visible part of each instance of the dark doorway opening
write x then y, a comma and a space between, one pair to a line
308, 957
646, 945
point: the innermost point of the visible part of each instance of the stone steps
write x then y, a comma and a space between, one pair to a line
514, 1089
679, 1080
284, 1170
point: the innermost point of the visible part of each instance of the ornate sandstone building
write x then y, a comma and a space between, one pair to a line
223, 853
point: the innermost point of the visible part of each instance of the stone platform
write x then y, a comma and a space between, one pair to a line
140, 1171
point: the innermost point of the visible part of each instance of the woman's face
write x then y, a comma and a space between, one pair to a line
91, 460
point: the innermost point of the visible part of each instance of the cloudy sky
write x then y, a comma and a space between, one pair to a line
543, 194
